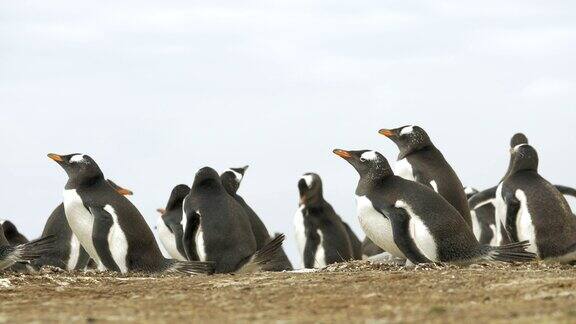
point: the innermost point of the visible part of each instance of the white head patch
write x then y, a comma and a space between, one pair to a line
406, 130
370, 156
309, 180
77, 159
469, 190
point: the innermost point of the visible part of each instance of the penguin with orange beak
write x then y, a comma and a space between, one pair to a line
413, 222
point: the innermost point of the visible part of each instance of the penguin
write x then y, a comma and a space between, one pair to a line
217, 229
320, 233
531, 209
231, 180
12, 234
354, 242
469, 191
68, 253
11, 255
419, 160
109, 226
482, 208
169, 226
411, 221
369, 248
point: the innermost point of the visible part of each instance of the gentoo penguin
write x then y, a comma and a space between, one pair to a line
231, 180
217, 228
21, 253
419, 160
412, 221
320, 233
109, 226
169, 226
12, 234
354, 242
531, 209
68, 253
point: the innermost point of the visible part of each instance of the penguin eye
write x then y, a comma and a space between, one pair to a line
362, 159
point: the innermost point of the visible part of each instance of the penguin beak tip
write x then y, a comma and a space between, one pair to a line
55, 157
342, 153
386, 132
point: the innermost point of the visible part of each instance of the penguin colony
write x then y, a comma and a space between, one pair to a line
414, 212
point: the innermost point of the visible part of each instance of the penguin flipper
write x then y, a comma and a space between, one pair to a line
263, 256
513, 206
179, 235
482, 197
400, 221
188, 238
103, 222
566, 190
310, 248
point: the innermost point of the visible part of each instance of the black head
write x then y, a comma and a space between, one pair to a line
207, 177
310, 188
81, 169
518, 139
408, 139
120, 190
523, 158
369, 164
232, 178
176, 197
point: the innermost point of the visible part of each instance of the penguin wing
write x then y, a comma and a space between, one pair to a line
400, 222
103, 222
179, 237
188, 238
311, 246
513, 206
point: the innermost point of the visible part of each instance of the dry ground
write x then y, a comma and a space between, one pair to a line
357, 292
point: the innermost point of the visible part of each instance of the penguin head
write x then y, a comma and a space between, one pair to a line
367, 163
80, 168
177, 196
523, 158
232, 178
206, 177
120, 190
407, 138
310, 188
518, 139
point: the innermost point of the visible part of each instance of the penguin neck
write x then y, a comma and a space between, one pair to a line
315, 199
211, 185
370, 180
85, 182
410, 149
231, 188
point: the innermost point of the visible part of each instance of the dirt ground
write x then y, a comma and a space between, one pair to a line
352, 292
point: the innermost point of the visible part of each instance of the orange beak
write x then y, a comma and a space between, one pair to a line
56, 157
124, 192
386, 132
342, 153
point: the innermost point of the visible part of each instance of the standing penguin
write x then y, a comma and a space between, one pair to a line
21, 253
109, 226
531, 209
419, 160
67, 253
218, 230
170, 229
12, 234
320, 233
231, 180
411, 221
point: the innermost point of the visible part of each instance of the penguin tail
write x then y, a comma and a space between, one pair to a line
35, 249
513, 252
190, 267
263, 256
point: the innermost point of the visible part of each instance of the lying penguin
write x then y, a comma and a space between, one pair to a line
68, 253
109, 226
531, 209
321, 235
411, 221
22, 253
231, 180
217, 229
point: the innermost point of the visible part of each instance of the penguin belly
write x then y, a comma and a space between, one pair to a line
81, 222
168, 240
403, 169
524, 225
500, 210
377, 227
200, 244
320, 256
74, 255
300, 232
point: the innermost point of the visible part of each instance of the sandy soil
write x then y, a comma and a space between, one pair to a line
354, 292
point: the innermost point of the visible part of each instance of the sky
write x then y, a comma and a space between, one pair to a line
155, 90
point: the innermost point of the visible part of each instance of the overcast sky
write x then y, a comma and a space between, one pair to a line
154, 90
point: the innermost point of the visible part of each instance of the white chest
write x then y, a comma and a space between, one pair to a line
168, 240
320, 256
74, 253
81, 222
500, 210
300, 232
403, 169
377, 227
